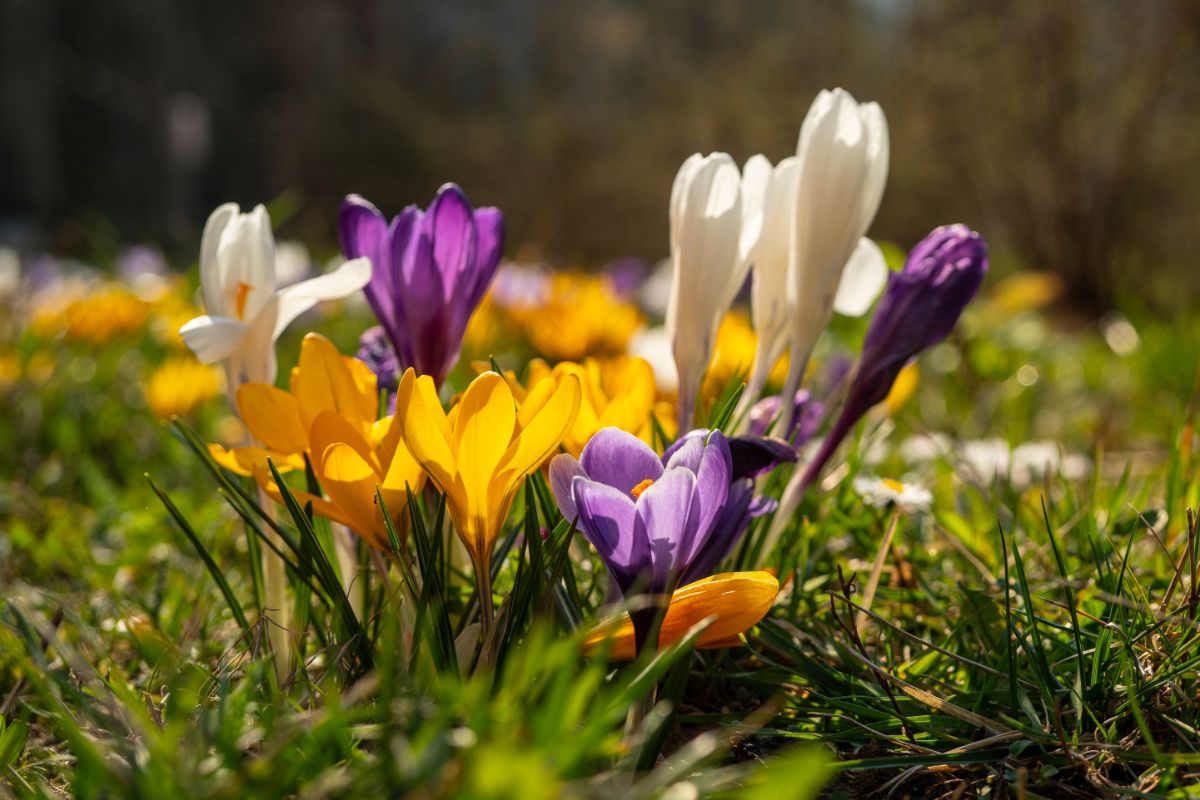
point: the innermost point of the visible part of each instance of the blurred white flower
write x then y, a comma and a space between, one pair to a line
292, 262
1119, 333
10, 272
986, 459
1033, 461
925, 447
246, 310
654, 345
881, 492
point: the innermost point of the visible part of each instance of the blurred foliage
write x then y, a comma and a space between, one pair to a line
1060, 130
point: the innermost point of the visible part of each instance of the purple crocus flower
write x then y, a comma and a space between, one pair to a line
920, 306
751, 456
806, 418
429, 271
648, 520
663, 522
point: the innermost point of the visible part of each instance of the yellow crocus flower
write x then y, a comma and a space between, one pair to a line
180, 385
479, 454
736, 601
583, 316
330, 415
616, 393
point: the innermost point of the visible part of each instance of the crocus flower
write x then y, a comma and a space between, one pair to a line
750, 456
771, 247
429, 270
921, 305
706, 222
842, 163
330, 415
806, 417
735, 601
648, 520
245, 311
616, 393
480, 454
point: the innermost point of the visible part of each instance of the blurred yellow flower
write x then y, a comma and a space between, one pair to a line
1024, 291
479, 454
902, 389
330, 414
104, 315
10, 369
180, 385
736, 600
616, 392
582, 317
733, 357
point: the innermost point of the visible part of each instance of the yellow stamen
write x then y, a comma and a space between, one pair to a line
242, 293
641, 487
895, 486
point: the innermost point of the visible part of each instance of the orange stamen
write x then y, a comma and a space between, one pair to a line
242, 293
641, 487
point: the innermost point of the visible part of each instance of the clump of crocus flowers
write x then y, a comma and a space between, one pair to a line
664, 501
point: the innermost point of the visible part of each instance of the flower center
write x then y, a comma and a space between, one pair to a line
242, 293
641, 487
895, 486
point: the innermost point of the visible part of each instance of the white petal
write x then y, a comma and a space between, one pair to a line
756, 177
213, 339
211, 278
878, 155
863, 279
295, 300
654, 345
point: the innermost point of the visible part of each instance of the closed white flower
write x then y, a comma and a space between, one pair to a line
842, 163
246, 311
707, 265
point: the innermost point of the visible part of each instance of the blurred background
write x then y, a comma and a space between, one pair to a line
1065, 131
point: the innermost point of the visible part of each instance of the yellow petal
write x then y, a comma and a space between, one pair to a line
367, 386
252, 460
486, 421
325, 383
542, 435
273, 417
737, 600
350, 483
331, 428
321, 506
426, 431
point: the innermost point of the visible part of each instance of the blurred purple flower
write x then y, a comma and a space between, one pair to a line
429, 271
376, 352
807, 417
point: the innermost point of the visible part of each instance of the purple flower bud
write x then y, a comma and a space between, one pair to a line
921, 305
376, 352
806, 418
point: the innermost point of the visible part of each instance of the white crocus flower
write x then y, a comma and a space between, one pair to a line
706, 223
842, 160
246, 311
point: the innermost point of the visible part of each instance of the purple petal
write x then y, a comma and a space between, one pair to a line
687, 453
712, 488
728, 528
564, 468
754, 455
489, 230
666, 520
699, 433
453, 227
620, 460
424, 300
607, 517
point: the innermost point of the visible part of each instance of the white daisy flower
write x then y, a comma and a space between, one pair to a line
880, 492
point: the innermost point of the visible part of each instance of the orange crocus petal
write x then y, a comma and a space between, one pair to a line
273, 417
736, 601
250, 460
321, 506
326, 383
328, 428
350, 483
